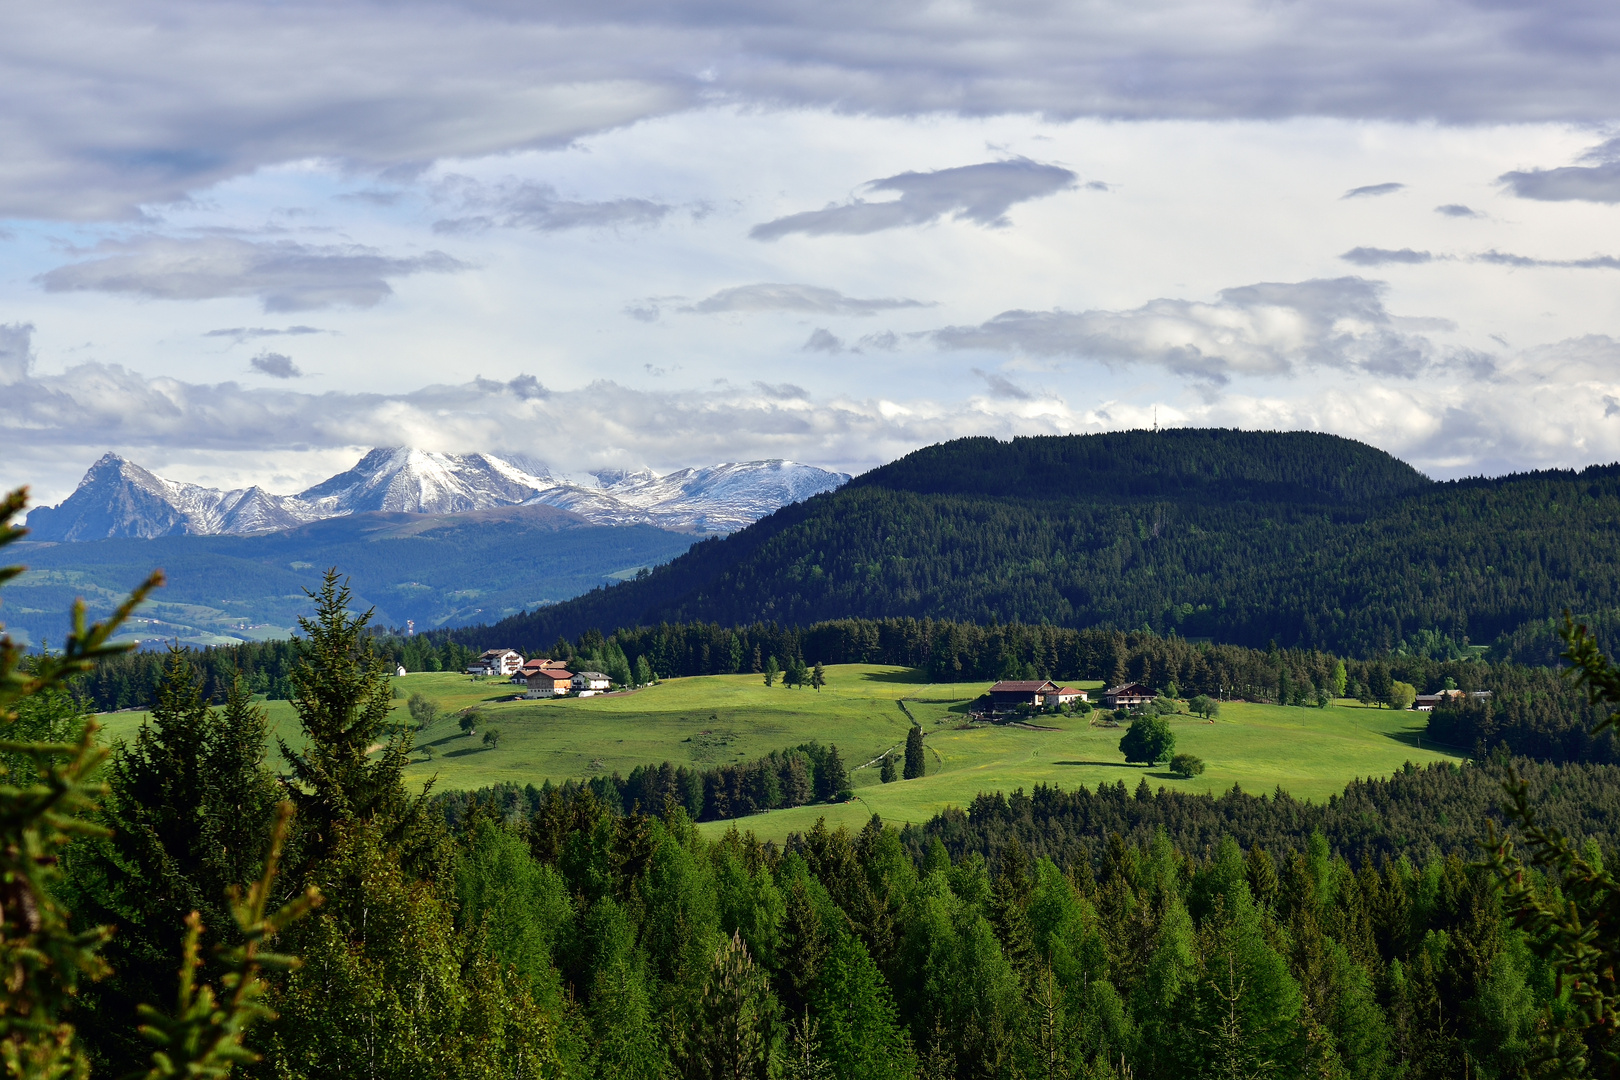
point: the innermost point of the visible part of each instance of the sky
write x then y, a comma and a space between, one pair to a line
242, 242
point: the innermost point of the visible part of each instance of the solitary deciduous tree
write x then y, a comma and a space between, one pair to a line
771, 671
1148, 740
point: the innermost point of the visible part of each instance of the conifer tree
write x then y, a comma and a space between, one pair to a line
343, 698
736, 1034
189, 807
916, 763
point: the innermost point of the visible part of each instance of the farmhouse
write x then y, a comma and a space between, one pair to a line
549, 682
1011, 693
587, 683
1428, 702
1066, 696
1127, 696
535, 667
501, 662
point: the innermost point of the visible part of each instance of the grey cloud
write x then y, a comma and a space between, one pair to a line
1458, 210
823, 340
1372, 189
283, 276
1372, 256
981, 194
1582, 183
785, 391
1002, 387
95, 130
16, 352
528, 388
1598, 181
275, 365
884, 340
647, 313
530, 205
808, 299
1264, 329
1503, 258
241, 334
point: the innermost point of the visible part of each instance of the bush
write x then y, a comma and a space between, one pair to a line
1148, 740
423, 711
1186, 766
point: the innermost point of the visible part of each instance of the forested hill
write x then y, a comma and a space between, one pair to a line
1317, 542
1207, 464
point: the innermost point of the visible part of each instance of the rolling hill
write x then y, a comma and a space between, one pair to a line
1251, 538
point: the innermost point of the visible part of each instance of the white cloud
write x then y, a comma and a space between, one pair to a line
1254, 330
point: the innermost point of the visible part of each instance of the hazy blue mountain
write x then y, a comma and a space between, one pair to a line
435, 570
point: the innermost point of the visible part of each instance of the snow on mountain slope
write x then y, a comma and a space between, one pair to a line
118, 498
721, 498
400, 479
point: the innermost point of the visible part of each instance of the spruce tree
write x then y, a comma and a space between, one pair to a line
189, 808
343, 698
916, 762
832, 779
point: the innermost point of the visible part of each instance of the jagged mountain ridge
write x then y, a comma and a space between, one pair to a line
118, 498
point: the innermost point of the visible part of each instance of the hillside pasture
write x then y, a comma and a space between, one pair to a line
707, 721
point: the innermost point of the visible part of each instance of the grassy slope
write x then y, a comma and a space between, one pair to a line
714, 719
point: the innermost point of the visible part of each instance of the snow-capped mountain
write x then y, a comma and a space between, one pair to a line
118, 498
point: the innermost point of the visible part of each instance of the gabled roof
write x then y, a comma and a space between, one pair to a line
592, 675
1023, 686
501, 652
1068, 690
1130, 689
554, 674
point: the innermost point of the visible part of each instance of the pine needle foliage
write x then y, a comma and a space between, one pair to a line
203, 1037
1572, 907
343, 698
42, 808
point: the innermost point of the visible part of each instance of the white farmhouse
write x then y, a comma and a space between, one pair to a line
587, 683
502, 662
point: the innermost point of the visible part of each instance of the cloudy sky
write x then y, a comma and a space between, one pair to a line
239, 242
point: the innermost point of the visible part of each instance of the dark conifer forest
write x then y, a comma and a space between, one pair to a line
1248, 538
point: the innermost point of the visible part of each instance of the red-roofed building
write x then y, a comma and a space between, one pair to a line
550, 682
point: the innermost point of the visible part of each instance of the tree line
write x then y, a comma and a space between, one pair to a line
805, 774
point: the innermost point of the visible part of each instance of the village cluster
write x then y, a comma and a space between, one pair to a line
544, 678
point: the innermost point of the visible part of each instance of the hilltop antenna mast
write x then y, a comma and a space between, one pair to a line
1155, 419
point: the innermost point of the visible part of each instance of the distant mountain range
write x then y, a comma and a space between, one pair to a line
119, 499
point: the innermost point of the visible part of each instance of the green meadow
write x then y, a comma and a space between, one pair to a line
712, 720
